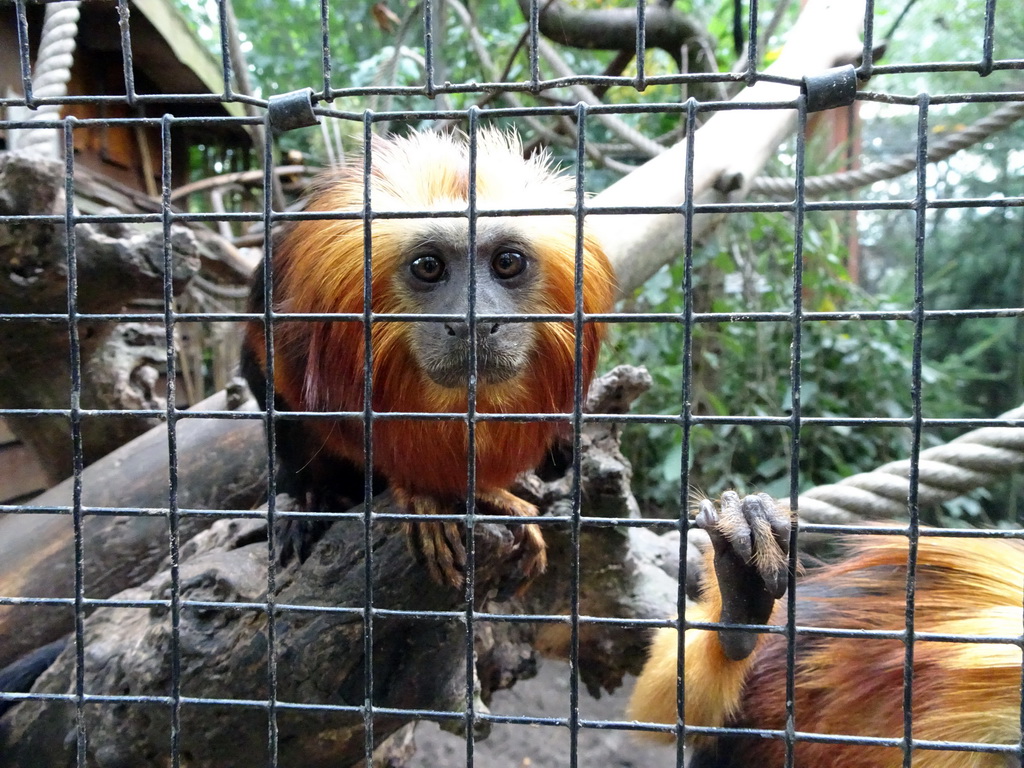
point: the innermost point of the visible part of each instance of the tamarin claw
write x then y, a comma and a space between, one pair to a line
750, 537
532, 553
441, 547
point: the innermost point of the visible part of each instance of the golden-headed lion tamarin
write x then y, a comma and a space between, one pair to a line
967, 692
421, 265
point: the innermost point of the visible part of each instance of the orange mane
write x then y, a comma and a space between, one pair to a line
319, 268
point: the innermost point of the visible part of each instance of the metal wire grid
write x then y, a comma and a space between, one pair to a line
919, 205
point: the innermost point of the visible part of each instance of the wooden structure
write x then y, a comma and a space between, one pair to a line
119, 164
167, 58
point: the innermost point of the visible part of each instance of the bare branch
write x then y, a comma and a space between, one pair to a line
733, 144
614, 29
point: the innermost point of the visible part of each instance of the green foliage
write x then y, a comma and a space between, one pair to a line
972, 367
971, 261
855, 367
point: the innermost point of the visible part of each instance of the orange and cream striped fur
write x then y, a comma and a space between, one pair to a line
318, 267
962, 691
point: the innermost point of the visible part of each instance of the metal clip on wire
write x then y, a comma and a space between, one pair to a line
832, 88
288, 111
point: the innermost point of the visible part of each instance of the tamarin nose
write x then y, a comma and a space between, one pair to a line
458, 330
461, 330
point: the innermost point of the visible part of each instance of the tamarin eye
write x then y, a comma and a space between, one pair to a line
508, 264
429, 269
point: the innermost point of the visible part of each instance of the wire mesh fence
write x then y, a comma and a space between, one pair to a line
151, 615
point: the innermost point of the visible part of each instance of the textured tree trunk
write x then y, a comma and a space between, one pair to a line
222, 464
119, 364
419, 662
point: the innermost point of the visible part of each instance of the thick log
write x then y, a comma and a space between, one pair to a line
221, 465
419, 662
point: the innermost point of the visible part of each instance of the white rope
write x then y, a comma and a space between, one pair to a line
845, 181
946, 471
51, 74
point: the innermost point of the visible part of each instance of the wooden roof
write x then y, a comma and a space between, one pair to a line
167, 56
164, 48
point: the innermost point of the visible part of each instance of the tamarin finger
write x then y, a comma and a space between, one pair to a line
770, 526
748, 579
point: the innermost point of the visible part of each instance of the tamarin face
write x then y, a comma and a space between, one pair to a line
435, 278
422, 260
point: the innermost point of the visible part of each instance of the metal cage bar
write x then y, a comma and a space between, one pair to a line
688, 319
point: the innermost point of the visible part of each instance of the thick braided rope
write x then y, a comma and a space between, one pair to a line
971, 461
52, 70
845, 181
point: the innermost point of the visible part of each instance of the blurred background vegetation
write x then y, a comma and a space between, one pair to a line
973, 254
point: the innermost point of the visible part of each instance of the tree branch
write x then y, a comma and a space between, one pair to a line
419, 662
222, 464
614, 29
734, 144
114, 264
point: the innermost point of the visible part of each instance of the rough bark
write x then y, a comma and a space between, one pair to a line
614, 29
114, 264
419, 662
221, 465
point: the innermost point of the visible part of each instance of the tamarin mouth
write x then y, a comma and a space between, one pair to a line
491, 368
